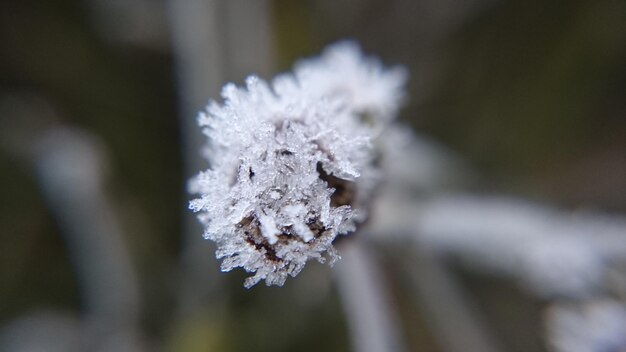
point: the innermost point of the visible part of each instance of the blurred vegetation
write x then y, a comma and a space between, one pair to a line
531, 92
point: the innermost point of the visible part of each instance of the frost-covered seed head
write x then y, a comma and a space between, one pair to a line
290, 168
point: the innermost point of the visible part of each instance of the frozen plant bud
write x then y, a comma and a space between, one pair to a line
289, 168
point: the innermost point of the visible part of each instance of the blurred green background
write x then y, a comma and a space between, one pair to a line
532, 93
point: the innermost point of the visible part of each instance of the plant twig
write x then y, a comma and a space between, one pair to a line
372, 323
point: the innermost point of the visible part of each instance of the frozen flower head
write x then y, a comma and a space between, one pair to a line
290, 167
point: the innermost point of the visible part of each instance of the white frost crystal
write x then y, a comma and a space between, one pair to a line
290, 165
372, 91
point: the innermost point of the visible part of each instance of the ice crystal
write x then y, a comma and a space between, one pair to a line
289, 168
373, 92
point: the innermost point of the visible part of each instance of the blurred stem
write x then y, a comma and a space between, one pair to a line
454, 321
199, 67
213, 42
372, 323
69, 166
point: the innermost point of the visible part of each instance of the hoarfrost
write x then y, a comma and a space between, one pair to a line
292, 164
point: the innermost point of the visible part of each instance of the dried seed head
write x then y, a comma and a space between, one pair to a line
290, 170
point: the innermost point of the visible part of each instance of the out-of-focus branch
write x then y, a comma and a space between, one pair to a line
70, 165
197, 44
592, 325
455, 322
553, 253
372, 321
